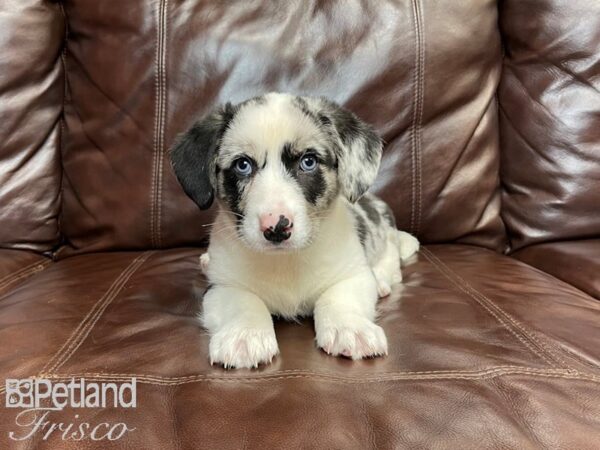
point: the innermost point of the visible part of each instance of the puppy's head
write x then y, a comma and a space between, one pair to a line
277, 163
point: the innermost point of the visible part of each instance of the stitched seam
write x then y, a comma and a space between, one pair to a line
325, 374
23, 272
568, 354
525, 337
469, 376
415, 130
158, 141
154, 146
530, 335
85, 326
8, 278
414, 121
449, 276
161, 142
398, 376
420, 115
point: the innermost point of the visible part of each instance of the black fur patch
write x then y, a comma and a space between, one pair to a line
370, 210
361, 227
350, 128
233, 191
233, 187
312, 183
388, 215
194, 154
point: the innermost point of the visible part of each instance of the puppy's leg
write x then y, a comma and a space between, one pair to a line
344, 317
204, 260
387, 269
407, 245
240, 326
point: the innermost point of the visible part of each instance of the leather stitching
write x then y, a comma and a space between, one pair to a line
526, 337
570, 355
490, 373
164, 116
155, 134
414, 121
87, 324
528, 334
415, 130
23, 272
310, 372
420, 115
159, 122
449, 275
161, 141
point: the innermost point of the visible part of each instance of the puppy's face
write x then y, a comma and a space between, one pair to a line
277, 163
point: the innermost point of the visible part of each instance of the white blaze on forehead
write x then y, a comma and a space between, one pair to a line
265, 127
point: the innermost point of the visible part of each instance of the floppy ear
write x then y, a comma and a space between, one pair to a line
358, 151
194, 154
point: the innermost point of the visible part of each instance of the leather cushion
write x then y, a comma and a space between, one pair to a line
17, 266
485, 351
550, 120
574, 262
31, 97
139, 73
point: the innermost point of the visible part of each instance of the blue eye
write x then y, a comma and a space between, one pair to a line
243, 166
308, 162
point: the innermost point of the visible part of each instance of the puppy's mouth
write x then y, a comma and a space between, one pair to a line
270, 246
275, 243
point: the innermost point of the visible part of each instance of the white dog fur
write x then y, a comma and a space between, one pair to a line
280, 157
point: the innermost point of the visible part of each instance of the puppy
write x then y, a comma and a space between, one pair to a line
295, 232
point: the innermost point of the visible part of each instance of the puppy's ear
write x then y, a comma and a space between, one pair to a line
358, 151
194, 154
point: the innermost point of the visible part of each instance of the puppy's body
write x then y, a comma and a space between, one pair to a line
352, 239
295, 233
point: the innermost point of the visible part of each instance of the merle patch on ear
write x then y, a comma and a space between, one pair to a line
194, 153
358, 148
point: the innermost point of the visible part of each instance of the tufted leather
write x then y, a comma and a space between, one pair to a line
486, 350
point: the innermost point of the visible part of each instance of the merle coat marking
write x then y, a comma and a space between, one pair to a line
295, 233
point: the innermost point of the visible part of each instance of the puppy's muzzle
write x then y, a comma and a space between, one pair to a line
276, 228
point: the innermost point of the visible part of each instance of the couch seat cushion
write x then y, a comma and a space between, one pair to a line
485, 352
575, 262
16, 266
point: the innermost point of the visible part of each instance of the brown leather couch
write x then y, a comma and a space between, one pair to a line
491, 117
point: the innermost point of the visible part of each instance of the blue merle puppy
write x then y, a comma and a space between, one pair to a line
295, 233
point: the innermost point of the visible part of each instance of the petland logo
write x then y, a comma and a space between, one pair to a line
39, 397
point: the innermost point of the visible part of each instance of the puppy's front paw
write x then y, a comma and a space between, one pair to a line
204, 260
352, 336
409, 245
236, 347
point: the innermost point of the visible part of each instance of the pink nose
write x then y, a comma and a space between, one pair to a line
276, 226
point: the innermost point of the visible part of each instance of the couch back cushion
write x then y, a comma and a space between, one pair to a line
424, 73
31, 98
550, 120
